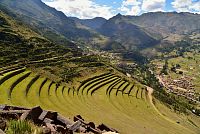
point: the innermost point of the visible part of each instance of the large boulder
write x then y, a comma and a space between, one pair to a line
91, 124
48, 117
62, 121
74, 127
78, 117
43, 115
51, 115
32, 115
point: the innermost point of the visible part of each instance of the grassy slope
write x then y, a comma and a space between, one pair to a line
19, 43
20, 29
127, 114
190, 122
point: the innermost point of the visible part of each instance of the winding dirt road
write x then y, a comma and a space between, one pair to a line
150, 92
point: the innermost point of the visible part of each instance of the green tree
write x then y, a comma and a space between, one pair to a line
165, 68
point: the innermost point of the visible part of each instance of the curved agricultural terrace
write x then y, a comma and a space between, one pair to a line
104, 98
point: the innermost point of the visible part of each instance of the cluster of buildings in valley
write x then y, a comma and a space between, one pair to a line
127, 66
115, 57
181, 87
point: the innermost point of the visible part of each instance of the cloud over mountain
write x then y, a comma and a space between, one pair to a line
81, 8
186, 6
86, 9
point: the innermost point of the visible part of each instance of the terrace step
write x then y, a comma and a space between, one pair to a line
17, 82
54, 100
111, 86
10, 69
11, 74
105, 83
33, 95
122, 87
59, 94
89, 81
44, 96
96, 85
97, 81
31, 83
128, 88
19, 93
44, 81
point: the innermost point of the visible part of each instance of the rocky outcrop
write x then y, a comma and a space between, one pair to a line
51, 122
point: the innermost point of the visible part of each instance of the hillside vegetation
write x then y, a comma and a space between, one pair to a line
40, 66
18, 43
121, 104
51, 23
142, 32
126, 32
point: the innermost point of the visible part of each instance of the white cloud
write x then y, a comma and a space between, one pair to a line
131, 2
90, 9
153, 5
186, 6
136, 7
81, 8
131, 7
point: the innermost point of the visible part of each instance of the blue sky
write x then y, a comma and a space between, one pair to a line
87, 9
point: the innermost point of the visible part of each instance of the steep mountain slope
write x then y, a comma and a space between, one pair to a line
46, 20
126, 33
94, 23
118, 33
147, 30
18, 43
167, 23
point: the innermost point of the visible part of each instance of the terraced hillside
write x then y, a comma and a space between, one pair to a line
20, 44
107, 97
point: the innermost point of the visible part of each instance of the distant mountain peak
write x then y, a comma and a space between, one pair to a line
118, 15
99, 18
94, 23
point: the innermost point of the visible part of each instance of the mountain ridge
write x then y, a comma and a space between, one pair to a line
46, 20
94, 23
168, 26
128, 32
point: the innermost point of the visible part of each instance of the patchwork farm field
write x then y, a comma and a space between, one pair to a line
106, 97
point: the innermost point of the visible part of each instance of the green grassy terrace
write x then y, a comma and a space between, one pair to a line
103, 97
